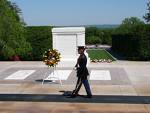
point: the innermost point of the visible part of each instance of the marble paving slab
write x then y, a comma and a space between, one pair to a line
100, 75
20, 75
59, 74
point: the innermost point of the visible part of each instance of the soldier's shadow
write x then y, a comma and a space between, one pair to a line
69, 93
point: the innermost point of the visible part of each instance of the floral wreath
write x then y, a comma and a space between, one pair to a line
51, 57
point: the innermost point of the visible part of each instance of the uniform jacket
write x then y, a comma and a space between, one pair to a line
82, 70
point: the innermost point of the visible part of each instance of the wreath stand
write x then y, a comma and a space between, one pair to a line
55, 75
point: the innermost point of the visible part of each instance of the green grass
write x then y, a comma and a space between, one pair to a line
99, 54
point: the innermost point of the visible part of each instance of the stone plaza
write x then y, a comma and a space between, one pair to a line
121, 87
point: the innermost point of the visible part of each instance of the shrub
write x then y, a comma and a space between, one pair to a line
40, 38
93, 40
95, 35
133, 45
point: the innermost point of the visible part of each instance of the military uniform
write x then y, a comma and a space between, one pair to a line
82, 73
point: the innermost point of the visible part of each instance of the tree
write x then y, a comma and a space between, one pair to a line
131, 21
128, 24
147, 15
12, 31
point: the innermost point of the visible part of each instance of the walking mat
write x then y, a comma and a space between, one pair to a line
78, 99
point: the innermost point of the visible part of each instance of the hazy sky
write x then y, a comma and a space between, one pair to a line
80, 12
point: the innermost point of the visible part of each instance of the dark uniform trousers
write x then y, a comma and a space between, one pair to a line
86, 85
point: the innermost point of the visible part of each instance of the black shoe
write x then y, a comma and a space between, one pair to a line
88, 96
72, 96
67, 93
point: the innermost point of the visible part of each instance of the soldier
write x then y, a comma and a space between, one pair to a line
82, 73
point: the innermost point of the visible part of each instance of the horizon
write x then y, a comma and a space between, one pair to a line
80, 12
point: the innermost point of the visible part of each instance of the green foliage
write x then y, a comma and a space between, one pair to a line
106, 36
131, 21
98, 36
128, 24
133, 45
93, 40
132, 39
92, 31
12, 32
147, 15
40, 38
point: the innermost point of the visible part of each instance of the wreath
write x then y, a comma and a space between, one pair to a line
51, 57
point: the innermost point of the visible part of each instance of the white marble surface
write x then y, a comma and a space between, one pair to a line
59, 74
66, 40
100, 75
20, 75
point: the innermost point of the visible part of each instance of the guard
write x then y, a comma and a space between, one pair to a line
82, 73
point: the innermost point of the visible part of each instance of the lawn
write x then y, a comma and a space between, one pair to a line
99, 54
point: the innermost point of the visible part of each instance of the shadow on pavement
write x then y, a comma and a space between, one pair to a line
46, 81
78, 99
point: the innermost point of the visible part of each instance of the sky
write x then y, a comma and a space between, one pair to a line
79, 12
